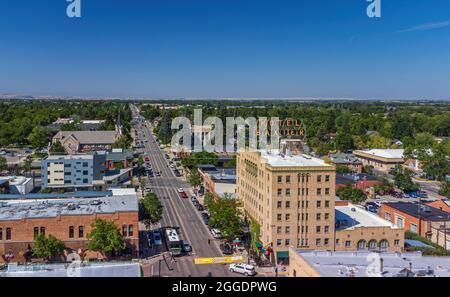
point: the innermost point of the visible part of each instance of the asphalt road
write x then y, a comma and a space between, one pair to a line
179, 212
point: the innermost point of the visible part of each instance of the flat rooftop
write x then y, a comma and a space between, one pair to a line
351, 217
124, 269
42, 208
344, 264
68, 157
275, 159
385, 153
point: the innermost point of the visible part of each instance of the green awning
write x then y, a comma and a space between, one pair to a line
283, 255
259, 245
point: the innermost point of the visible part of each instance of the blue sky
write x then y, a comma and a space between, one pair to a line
226, 48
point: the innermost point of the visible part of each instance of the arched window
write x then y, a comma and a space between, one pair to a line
362, 244
384, 244
373, 245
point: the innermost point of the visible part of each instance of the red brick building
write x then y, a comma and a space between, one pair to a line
68, 220
415, 217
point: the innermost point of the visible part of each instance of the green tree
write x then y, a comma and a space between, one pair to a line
39, 137
150, 210
57, 149
47, 247
194, 178
140, 161
225, 216
105, 238
445, 189
124, 142
403, 179
3, 164
352, 194
27, 164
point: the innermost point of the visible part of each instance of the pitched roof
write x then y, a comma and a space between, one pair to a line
89, 137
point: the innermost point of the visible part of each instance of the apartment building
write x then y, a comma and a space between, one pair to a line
73, 171
68, 219
291, 196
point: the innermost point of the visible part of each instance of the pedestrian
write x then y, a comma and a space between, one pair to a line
209, 240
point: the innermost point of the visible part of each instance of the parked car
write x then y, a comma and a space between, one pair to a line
157, 239
193, 199
184, 195
245, 269
180, 190
200, 207
216, 233
186, 247
150, 239
226, 249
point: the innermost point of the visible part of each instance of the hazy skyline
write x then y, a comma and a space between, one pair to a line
226, 49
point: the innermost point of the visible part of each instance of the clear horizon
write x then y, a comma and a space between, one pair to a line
262, 50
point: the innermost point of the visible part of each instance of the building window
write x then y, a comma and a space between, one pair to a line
279, 242
318, 204
85, 164
317, 229
337, 241
36, 232
1, 234
326, 229
318, 242
71, 232
396, 242
326, 241
80, 231
278, 230
372, 245
327, 191
130, 230
384, 244
318, 217
319, 178
288, 179
288, 229
348, 243
288, 192
327, 216
279, 179
362, 244
279, 203
279, 217
327, 178
319, 191
43, 231
279, 192
8, 233
287, 242
327, 204
400, 222
387, 216
414, 228
288, 204
288, 217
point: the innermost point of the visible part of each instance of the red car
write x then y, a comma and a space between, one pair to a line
183, 195
147, 159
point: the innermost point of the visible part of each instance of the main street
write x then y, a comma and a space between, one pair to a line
179, 212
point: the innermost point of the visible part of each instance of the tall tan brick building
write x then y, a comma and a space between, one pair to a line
290, 196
